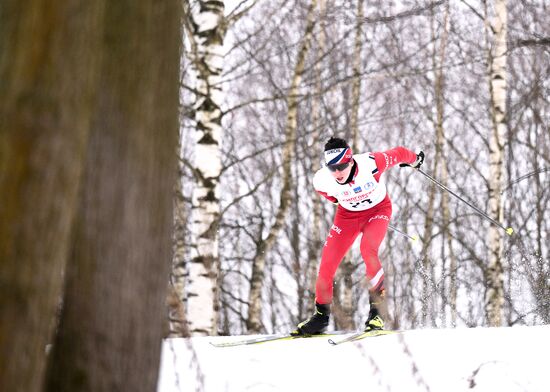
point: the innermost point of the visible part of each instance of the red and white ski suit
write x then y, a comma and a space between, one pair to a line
364, 207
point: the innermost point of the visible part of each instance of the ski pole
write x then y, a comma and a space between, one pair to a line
413, 238
508, 230
541, 170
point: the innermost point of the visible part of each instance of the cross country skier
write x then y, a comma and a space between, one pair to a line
364, 207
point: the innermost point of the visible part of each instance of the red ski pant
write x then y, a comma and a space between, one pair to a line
373, 225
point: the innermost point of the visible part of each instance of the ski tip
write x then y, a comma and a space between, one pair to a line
509, 231
414, 238
332, 342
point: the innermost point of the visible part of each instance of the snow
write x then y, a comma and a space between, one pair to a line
448, 360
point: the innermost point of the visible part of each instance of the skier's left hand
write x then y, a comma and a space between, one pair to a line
416, 164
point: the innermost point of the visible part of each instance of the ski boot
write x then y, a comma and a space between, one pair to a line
375, 321
378, 311
316, 324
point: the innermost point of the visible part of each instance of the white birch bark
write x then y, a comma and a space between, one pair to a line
176, 292
208, 31
254, 323
494, 299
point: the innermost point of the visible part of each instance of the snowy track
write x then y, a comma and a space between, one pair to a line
473, 360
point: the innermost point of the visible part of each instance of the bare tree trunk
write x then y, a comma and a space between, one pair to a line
494, 299
48, 69
356, 84
295, 231
439, 93
207, 35
315, 243
254, 323
345, 319
178, 325
111, 327
427, 265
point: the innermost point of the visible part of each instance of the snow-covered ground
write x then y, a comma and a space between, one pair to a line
446, 360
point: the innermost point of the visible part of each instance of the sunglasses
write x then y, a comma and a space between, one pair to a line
339, 167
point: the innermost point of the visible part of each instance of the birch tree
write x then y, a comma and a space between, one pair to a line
206, 31
348, 266
439, 164
254, 323
439, 93
177, 319
305, 305
497, 35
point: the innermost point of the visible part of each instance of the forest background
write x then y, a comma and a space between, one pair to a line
104, 250
466, 82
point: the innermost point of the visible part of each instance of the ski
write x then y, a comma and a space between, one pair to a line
361, 335
272, 338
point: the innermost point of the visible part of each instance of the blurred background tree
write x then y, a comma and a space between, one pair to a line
88, 132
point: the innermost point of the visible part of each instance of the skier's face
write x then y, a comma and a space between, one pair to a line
341, 174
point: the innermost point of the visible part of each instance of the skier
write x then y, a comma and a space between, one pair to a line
364, 207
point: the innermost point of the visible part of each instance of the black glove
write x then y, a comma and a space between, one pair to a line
416, 164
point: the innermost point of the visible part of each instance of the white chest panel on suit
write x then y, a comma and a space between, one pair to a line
362, 193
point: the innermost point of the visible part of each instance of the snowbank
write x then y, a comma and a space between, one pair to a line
449, 360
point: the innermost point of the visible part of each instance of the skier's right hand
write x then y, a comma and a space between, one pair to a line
416, 164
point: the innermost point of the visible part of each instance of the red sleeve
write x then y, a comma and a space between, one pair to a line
385, 160
332, 199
